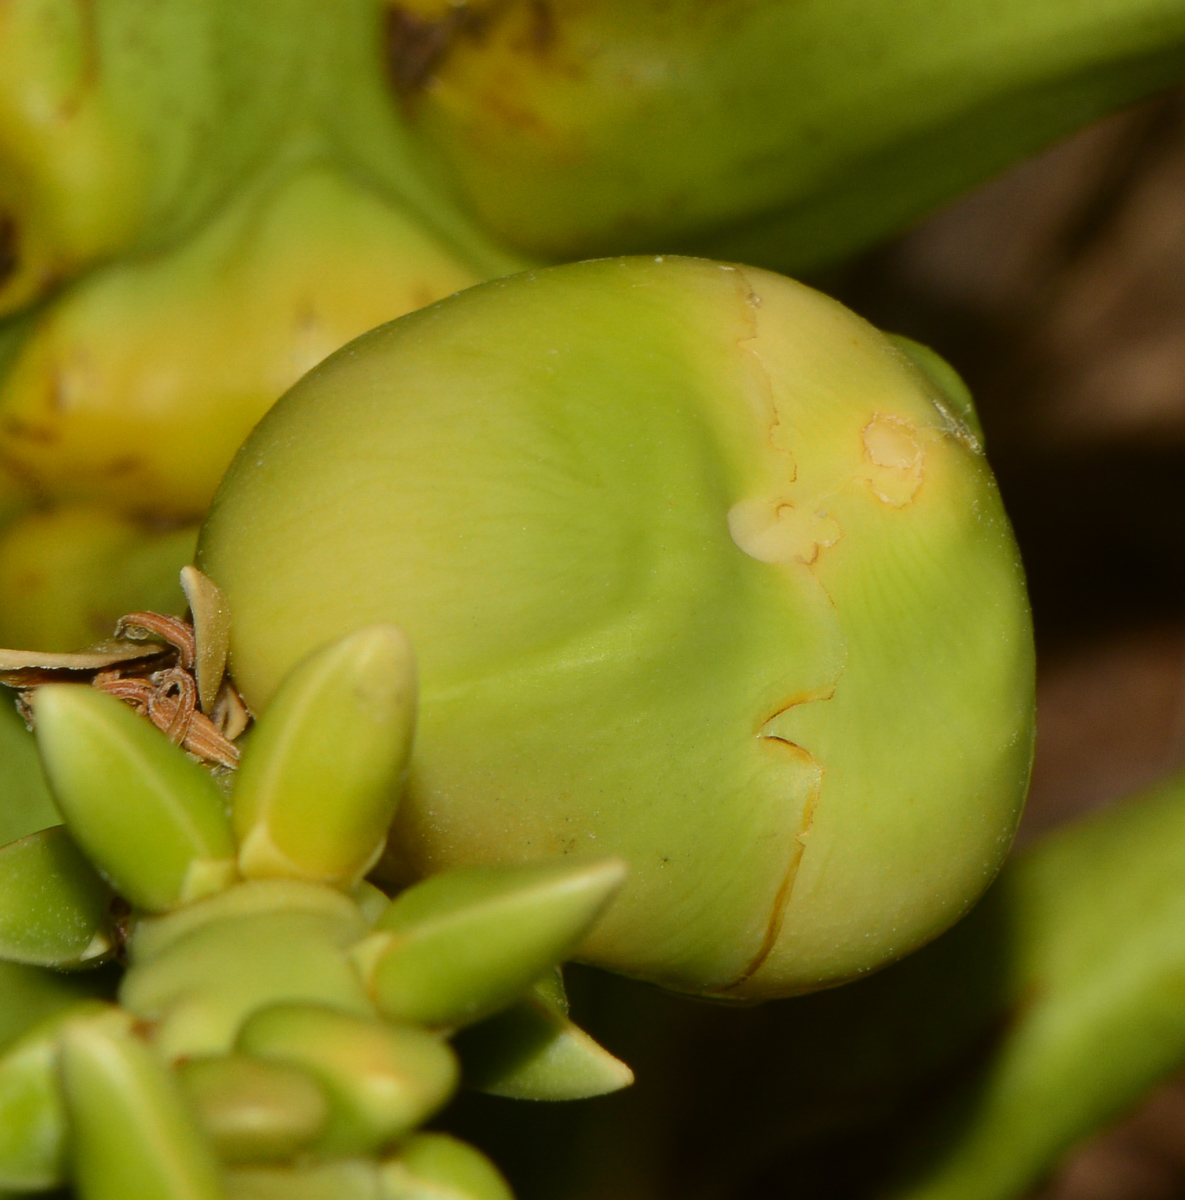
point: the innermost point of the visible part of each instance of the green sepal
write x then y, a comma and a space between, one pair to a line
533, 1051
382, 1079
149, 818
434, 1166
55, 911
253, 1111
461, 945
319, 781
348, 1180
130, 1131
32, 1110
202, 987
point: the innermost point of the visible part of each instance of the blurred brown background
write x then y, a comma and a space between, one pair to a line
1058, 291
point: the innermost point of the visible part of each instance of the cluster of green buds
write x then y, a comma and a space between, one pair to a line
282, 1028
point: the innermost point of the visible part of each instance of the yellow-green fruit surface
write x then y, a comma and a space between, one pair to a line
68, 574
140, 381
701, 570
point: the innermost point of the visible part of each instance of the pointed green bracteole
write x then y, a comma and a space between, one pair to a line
151, 820
431, 1165
55, 911
254, 1111
252, 898
533, 1051
131, 1132
320, 777
464, 944
382, 1080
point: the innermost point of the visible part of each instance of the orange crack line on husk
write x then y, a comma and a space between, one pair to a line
781, 901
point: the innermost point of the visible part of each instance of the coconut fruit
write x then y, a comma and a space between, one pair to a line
702, 571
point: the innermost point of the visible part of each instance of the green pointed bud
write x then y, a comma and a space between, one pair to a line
202, 987
32, 1111
254, 1111
319, 781
532, 1051
382, 1080
55, 911
350, 1180
255, 897
131, 1133
434, 1166
150, 818
461, 945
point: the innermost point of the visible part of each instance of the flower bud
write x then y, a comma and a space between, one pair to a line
131, 1133
462, 945
701, 570
253, 1111
317, 787
150, 819
381, 1079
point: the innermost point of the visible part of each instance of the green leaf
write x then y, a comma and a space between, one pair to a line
55, 911
131, 1133
151, 819
463, 944
254, 1111
319, 781
382, 1080
434, 1166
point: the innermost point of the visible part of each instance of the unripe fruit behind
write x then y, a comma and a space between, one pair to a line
701, 570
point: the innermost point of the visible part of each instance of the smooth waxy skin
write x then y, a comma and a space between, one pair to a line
701, 570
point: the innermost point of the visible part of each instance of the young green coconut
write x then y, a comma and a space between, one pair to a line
283, 1028
702, 571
